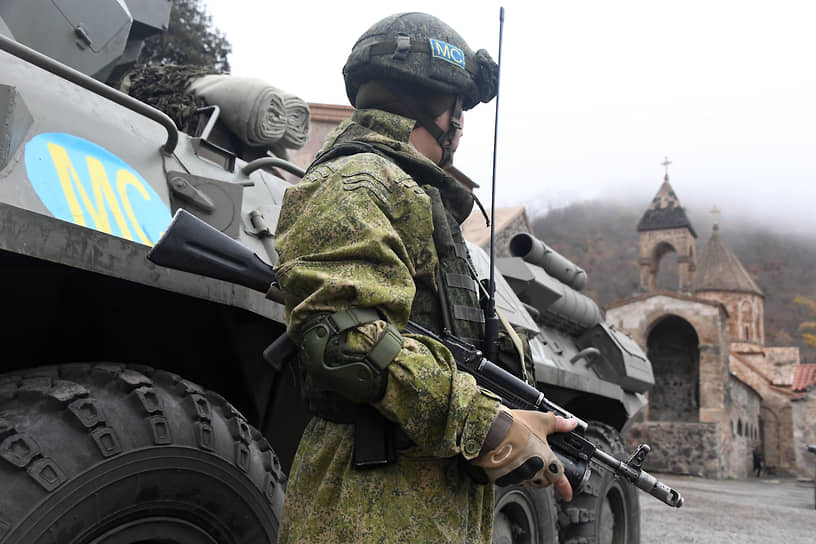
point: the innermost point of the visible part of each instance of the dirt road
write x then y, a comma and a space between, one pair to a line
751, 511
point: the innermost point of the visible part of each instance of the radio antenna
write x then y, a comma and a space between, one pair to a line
491, 319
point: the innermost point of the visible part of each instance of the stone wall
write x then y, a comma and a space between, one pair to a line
776, 415
804, 433
687, 447
742, 406
639, 316
746, 319
782, 363
680, 448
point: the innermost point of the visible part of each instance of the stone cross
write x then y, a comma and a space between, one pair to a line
666, 162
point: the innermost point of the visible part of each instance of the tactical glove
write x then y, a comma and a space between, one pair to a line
522, 456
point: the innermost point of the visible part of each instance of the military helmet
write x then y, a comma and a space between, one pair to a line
418, 51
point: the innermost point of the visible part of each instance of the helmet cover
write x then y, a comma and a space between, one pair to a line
418, 51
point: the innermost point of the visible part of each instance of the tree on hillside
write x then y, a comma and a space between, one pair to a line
807, 328
190, 39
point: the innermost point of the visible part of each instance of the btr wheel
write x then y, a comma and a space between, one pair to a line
524, 516
608, 510
109, 454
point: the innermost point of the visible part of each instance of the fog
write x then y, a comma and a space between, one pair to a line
594, 94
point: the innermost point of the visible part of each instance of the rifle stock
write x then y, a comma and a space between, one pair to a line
191, 245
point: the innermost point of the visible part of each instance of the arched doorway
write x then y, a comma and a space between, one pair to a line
769, 436
673, 349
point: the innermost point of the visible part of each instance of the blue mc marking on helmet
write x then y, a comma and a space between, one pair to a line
445, 51
84, 183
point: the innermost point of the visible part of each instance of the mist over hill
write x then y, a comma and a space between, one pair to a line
601, 237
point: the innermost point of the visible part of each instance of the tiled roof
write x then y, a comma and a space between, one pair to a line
665, 212
803, 377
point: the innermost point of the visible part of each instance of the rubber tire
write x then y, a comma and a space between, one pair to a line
608, 510
524, 516
109, 454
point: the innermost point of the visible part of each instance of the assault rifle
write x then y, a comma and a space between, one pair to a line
192, 245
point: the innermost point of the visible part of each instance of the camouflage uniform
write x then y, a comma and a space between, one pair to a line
358, 232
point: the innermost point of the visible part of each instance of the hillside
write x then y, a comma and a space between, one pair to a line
601, 238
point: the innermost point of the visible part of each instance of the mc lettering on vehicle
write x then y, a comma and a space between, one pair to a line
448, 52
84, 183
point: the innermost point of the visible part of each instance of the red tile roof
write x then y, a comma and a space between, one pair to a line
803, 377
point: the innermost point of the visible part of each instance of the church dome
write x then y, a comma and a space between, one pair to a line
718, 269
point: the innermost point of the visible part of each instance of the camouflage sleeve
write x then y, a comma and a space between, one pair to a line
356, 234
440, 408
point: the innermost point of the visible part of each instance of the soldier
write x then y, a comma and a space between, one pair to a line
403, 446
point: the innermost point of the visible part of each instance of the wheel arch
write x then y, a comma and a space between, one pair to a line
59, 314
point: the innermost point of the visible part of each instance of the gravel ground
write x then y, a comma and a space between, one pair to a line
754, 511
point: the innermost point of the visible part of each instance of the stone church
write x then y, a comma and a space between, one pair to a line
719, 390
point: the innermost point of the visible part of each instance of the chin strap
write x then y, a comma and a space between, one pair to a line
444, 138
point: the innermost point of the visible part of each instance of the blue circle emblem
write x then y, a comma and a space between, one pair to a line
84, 183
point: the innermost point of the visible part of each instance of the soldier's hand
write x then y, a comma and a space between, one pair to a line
522, 455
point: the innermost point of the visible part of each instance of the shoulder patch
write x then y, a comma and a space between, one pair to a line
320, 173
447, 52
373, 172
366, 181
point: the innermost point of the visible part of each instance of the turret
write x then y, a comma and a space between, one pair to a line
548, 283
99, 38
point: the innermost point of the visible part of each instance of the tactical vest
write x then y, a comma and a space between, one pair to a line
455, 304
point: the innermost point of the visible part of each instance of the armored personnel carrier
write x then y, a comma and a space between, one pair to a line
135, 405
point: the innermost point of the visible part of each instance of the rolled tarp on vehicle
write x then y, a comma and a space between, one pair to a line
257, 112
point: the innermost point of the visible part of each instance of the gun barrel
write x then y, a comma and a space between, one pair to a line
640, 478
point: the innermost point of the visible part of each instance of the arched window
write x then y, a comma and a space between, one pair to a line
746, 319
665, 259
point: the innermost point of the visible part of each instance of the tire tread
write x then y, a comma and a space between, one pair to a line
105, 402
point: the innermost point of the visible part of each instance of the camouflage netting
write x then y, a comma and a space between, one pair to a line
164, 87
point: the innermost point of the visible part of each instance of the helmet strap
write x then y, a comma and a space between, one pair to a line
444, 138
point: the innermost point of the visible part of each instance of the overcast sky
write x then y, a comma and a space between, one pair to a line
594, 94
